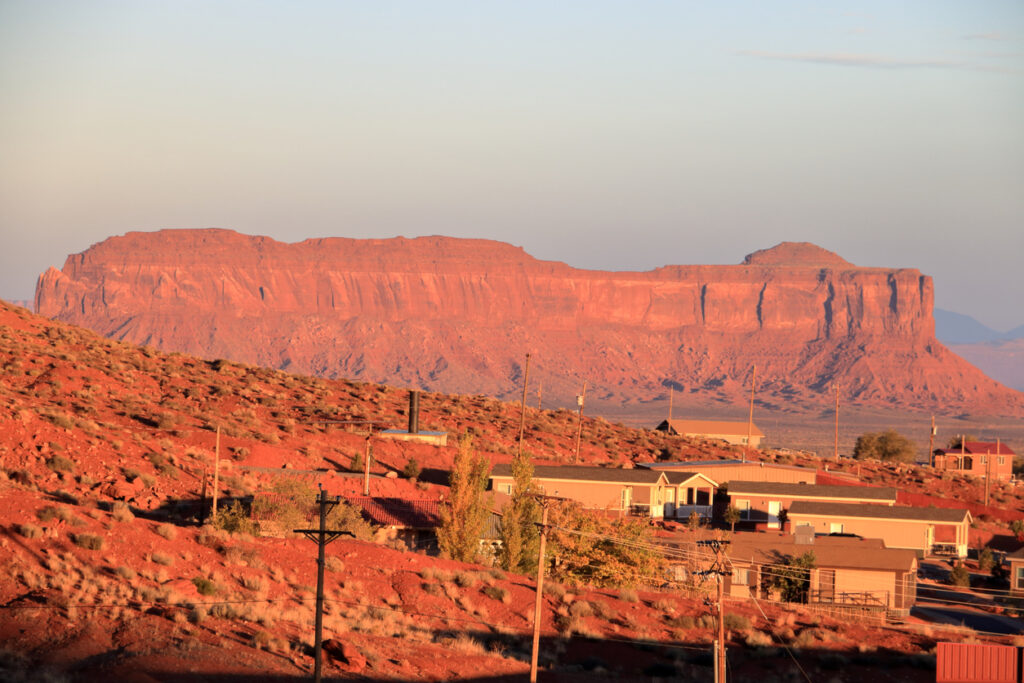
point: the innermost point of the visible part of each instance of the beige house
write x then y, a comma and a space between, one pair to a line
725, 471
765, 503
924, 530
1016, 562
730, 432
849, 572
638, 491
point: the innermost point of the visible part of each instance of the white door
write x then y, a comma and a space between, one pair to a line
670, 502
773, 514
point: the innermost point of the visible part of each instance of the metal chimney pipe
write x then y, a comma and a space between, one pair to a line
414, 412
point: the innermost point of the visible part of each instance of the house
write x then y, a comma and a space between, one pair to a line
766, 503
924, 530
731, 432
411, 521
976, 458
638, 491
725, 471
1016, 562
861, 574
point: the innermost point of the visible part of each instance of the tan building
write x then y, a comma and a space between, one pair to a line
730, 432
848, 572
726, 471
924, 530
638, 491
766, 503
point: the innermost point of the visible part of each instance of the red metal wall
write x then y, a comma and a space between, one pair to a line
975, 663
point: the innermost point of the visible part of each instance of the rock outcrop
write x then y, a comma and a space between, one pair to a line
458, 315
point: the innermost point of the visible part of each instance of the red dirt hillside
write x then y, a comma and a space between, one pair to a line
111, 577
457, 315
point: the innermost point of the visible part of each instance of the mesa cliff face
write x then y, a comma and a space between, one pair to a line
458, 315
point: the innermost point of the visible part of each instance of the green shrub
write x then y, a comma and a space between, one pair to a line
736, 622
58, 463
959, 576
235, 519
88, 541
205, 586
411, 469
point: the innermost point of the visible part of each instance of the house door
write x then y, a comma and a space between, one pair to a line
827, 585
627, 497
670, 502
774, 507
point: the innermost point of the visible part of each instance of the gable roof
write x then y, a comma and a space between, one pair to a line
829, 552
677, 478
789, 490
701, 427
637, 475
875, 511
399, 512
979, 448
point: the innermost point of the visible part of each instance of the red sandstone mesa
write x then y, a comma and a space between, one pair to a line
457, 315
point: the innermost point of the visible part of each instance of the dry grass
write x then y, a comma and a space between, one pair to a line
29, 530
167, 531
88, 541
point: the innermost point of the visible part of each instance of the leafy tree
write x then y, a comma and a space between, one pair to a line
959, 576
887, 446
293, 505
1017, 527
412, 468
607, 552
520, 538
731, 516
693, 521
465, 513
986, 559
792, 578
356, 465
959, 439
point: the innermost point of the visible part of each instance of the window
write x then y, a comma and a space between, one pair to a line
1002, 460
835, 527
744, 507
1019, 581
740, 576
505, 488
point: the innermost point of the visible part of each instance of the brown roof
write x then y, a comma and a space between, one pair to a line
979, 448
829, 552
874, 511
789, 490
699, 427
639, 475
399, 512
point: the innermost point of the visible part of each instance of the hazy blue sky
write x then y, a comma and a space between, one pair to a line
606, 135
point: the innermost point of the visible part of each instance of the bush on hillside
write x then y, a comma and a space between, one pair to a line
888, 446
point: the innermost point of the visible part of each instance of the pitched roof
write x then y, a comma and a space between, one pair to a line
811, 490
760, 464
699, 427
638, 475
979, 448
675, 477
399, 512
829, 552
875, 511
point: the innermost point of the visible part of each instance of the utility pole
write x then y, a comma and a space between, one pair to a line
750, 420
540, 393
540, 591
202, 494
366, 464
931, 444
719, 571
522, 414
835, 452
581, 399
988, 473
216, 473
321, 537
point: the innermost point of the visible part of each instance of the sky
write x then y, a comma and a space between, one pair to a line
608, 135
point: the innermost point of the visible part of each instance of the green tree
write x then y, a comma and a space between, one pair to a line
959, 439
356, 464
731, 516
465, 513
604, 551
1017, 527
520, 538
959, 576
792, 577
412, 468
888, 446
986, 559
